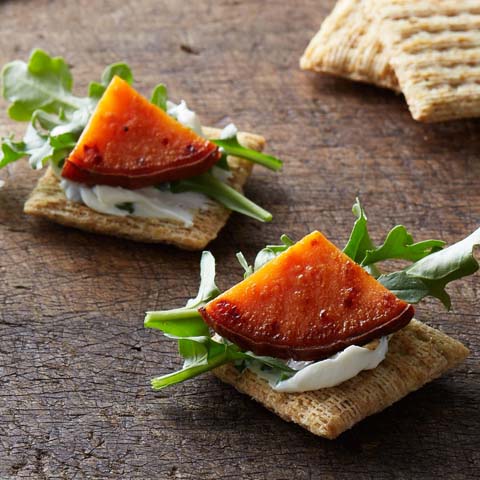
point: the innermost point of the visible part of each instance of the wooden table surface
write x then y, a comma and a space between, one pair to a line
75, 360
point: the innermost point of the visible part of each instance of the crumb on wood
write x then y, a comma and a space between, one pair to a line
189, 49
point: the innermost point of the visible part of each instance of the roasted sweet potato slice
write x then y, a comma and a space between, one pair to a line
130, 142
306, 304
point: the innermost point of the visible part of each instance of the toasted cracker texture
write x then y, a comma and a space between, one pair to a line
434, 49
348, 45
48, 201
417, 354
428, 49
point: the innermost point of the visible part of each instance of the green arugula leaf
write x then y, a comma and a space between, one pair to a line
122, 70
271, 251
223, 194
11, 151
40, 91
444, 266
43, 83
159, 96
264, 255
276, 365
433, 267
452, 262
119, 69
67, 133
208, 290
194, 352
44, 122
41, 154
244, 264
38, 147
231, 146
359, 242
95, 91
399, 245
126, 206
187, 321
410, 289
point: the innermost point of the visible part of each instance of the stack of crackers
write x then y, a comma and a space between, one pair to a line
427, 49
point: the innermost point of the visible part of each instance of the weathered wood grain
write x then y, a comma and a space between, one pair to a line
75, 360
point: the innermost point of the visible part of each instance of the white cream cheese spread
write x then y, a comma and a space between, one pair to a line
143, 202
326, 373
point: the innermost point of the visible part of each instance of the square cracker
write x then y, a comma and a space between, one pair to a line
434, 49
348, 45
48, 200
417, 354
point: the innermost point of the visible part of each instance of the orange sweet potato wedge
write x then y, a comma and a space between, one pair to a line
308, 303
130, 142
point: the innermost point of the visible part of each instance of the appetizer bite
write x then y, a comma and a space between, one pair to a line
319, 335
122, 165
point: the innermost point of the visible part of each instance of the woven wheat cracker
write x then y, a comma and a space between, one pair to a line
417, 354
348, 45
48, 200
434, 48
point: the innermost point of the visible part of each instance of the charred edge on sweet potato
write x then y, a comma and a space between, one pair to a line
309, 353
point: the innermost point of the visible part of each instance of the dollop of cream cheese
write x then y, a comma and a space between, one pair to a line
329, 372
229, 131
182, 114
150, 202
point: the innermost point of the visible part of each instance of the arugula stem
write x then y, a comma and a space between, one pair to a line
152, 318
224, 194
256, 157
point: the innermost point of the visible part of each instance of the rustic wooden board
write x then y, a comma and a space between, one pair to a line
75, 360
